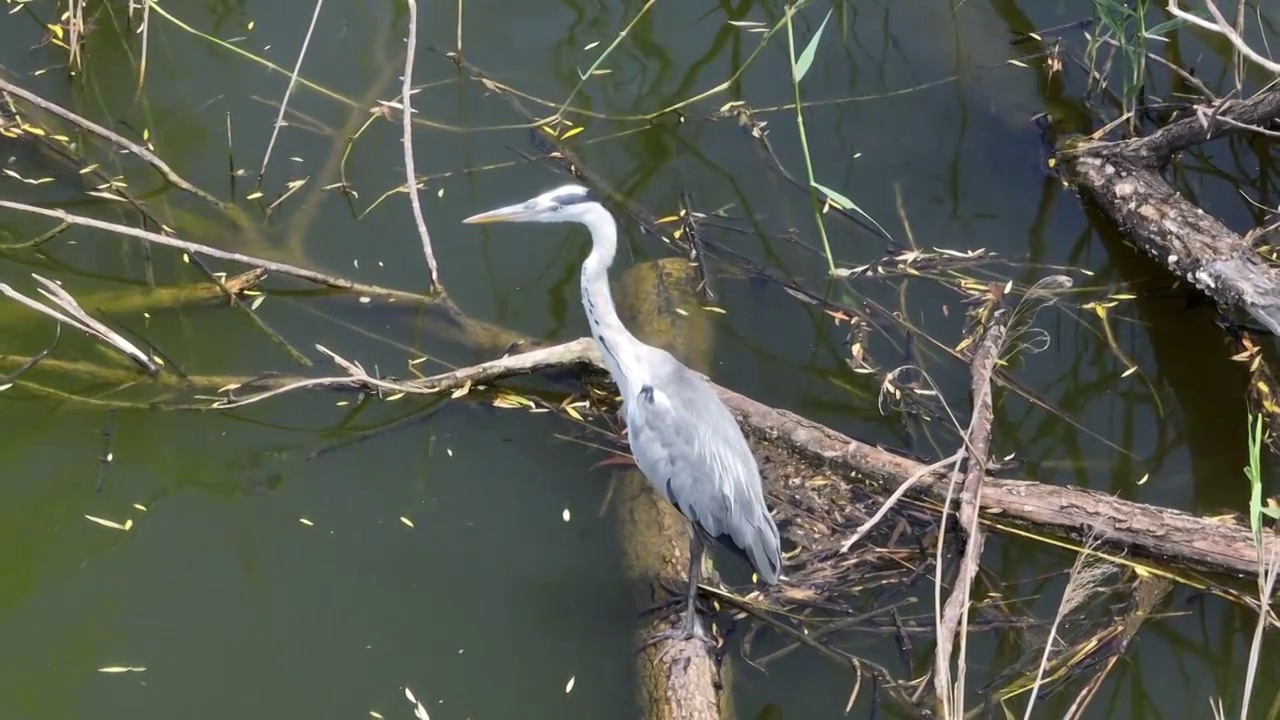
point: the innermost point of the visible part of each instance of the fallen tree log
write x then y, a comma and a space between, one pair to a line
1171, 536
679, 679
1124, 180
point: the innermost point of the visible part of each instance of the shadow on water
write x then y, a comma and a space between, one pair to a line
315, 554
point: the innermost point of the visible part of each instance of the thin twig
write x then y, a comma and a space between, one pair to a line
195, 248
7, 381
75, 316
411, 179
151, 158
1223, 28
580, 351
293, 79
955, 616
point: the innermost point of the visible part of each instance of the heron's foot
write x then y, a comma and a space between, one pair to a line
689, 628
663, 607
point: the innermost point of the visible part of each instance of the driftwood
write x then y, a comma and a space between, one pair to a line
1173, 536
1124, 180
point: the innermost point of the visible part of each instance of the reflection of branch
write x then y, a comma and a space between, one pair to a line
31, 362
196, 249
406, 112
76, 317
160, 166
1223, 28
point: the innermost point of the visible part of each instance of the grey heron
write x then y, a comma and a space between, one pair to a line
682, 437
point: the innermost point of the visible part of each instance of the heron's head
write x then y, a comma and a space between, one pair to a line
567, 203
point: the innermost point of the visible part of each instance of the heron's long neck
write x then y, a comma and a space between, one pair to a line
618, 346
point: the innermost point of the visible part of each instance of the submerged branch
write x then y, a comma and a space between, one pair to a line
1172, 536
72, 314
954, 618
301, 273
115, 138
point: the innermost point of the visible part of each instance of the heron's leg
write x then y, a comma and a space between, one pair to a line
696, 549
689, 627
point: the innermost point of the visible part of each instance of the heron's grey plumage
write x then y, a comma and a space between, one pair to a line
690, 447
683, 438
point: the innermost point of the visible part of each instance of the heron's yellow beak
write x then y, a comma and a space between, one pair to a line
510, 213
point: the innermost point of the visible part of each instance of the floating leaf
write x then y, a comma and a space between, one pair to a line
306, 522
406, 521
569, 688
121, 669
572, 132
419, 712
109, 523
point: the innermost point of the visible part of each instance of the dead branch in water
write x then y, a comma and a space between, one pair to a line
954, 616
301, 273
72, 314
1068, 512
411, 179
115, 138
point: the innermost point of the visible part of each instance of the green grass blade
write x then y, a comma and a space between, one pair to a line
806, 57
846, 204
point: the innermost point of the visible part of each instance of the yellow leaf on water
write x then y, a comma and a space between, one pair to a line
572, 132
120, 669
573, 413
253, 195
569, 688
406, 521
588, 46
305, 521
109, 523
466, 388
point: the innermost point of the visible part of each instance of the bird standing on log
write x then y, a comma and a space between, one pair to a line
683, 438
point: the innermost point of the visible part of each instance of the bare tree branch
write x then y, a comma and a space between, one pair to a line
115, 138
1223, 28
75, 316
411, 182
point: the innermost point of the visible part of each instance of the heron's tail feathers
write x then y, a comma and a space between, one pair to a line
757, 537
